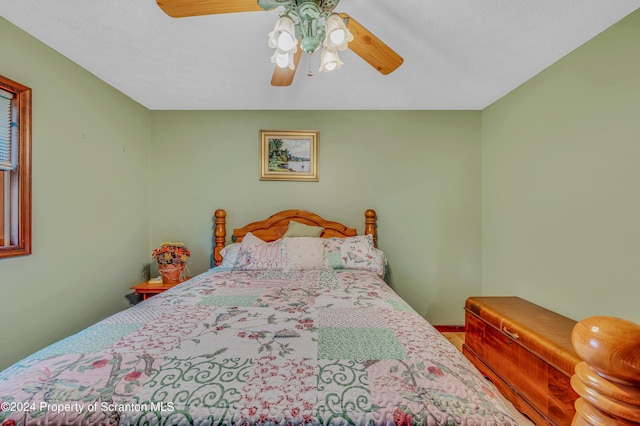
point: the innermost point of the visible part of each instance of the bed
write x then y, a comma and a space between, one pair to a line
294, 325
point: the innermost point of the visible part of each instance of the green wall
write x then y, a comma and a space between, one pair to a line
90, 201
420, 171
561, 179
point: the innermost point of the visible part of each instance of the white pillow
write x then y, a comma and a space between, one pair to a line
257, 255
303, 254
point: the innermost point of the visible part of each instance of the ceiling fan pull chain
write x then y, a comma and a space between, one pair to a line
309, 73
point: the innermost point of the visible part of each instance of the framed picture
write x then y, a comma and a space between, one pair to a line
289, 155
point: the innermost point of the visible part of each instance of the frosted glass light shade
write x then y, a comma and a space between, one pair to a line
283, 35
338, 35
283, 59
286, 42
329, 60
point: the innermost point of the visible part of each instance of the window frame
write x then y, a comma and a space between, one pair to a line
22, 104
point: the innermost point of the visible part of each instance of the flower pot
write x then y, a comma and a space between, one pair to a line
171, 274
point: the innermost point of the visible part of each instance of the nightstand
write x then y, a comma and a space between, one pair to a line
147, 290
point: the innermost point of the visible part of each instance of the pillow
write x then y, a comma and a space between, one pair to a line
354, 253
382, 259
297, 229
333, 248
257, 255
303, 254
229, 255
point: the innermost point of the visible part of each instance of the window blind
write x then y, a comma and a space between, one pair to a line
7, 159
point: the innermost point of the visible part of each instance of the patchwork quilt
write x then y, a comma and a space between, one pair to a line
229, 347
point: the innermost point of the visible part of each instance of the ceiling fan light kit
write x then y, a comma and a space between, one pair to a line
308, 23
311, 24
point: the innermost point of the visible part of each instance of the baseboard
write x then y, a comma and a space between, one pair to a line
450, 328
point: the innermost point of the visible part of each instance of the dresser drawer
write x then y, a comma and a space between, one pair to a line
502, 340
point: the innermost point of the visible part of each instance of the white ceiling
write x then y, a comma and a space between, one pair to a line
458, 54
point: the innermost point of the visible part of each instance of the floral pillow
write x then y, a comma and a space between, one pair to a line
256, 255
303, 254
230, 255
354, 253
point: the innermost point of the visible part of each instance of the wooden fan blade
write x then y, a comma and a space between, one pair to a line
371, 48
184, 8
284, 76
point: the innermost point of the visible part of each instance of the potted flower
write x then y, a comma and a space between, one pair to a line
172, 259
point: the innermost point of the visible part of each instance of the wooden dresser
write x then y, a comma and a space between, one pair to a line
526, 351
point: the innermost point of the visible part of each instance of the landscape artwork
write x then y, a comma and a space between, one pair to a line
289, 155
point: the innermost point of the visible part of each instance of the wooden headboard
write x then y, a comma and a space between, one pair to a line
274, 227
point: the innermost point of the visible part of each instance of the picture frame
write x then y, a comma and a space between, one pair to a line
289, 155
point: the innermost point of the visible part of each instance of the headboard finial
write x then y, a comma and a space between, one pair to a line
608, 379
370, 224
219, 235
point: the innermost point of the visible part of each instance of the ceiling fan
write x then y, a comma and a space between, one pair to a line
311, 24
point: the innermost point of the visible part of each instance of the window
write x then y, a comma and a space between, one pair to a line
15, 168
